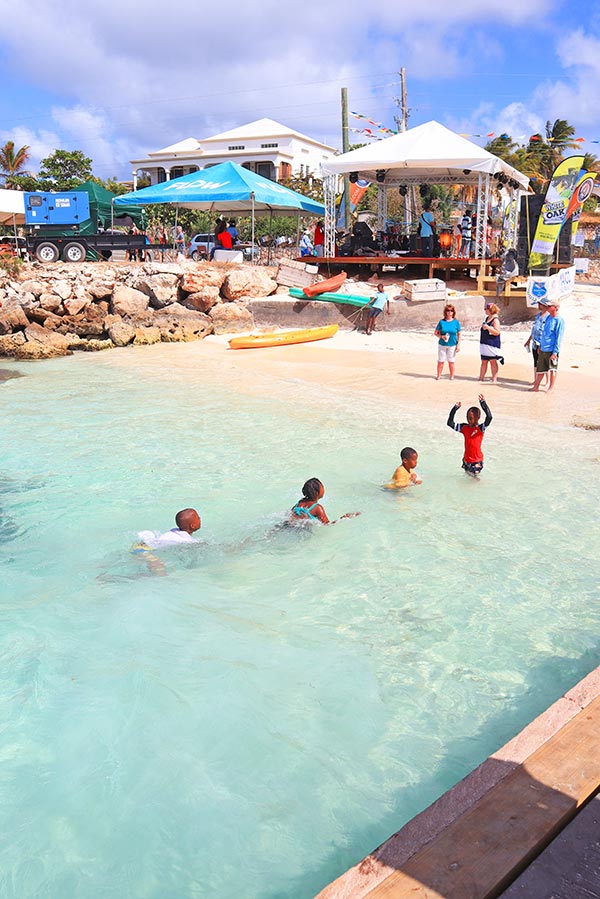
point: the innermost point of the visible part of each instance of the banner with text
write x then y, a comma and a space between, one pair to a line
554, 211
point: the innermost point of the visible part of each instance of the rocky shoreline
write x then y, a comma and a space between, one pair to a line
53, 310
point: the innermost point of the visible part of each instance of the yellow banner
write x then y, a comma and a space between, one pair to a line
554, 211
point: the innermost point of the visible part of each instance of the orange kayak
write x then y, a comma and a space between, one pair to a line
282, 338
328, 286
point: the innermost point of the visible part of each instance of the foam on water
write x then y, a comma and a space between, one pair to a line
278, 705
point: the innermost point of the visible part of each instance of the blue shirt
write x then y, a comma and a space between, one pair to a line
451, 328
426, 221
537, 328
381, 298
552, 333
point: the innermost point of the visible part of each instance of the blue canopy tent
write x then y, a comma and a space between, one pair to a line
225, 188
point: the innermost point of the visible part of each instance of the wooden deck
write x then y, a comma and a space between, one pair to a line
482, 851
429, 264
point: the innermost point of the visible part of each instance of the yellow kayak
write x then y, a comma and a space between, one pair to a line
281, 338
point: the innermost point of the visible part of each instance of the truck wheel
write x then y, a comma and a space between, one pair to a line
46, 252
73, 252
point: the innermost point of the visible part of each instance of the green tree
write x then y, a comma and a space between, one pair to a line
65, 169
12, 162
559, 137
308, 187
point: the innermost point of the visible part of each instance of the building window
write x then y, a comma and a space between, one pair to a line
285, 171
268, 146
237, 147
266, 169
176, 172
161, 175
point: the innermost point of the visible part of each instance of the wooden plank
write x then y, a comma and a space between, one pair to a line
482, 851
570, 867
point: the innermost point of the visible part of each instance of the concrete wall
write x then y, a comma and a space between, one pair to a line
284, 312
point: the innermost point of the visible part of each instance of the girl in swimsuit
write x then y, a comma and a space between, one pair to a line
309, 509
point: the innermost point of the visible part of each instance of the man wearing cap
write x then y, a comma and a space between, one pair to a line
550, 341
535, 337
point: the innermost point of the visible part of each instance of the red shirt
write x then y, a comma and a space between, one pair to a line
473, 435
226, 240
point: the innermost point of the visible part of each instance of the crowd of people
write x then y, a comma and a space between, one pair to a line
544, 341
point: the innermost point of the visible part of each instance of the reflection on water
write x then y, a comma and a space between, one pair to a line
284, 699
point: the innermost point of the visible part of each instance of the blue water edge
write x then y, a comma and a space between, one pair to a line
281, 702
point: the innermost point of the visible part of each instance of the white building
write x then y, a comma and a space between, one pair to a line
266, 147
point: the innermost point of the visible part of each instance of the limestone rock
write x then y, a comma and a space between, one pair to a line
147, 336
10, 342
50, 301
75, 305
161, 288
62, 288
177, 323
202, 300
229, 318
33, 349
33, 286
251, 282
101, 288
109, 320
50, 338
93, 346
12, 319
128, 301
121, 333
196, 279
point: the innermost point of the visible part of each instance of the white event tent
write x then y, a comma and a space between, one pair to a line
12, 207
426, 154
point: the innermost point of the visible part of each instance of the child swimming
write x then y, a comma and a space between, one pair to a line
187, 521
404, 474
473, 433
309, 509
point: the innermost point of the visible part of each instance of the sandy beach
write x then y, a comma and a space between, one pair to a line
401, 365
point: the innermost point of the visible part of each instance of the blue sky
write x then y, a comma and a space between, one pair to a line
119, 80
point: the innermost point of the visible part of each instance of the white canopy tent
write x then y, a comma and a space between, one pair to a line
12, 207
427, 154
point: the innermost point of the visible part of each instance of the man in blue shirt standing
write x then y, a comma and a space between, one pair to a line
550, 341
427, 225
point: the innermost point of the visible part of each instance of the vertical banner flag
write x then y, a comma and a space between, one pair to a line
554, 211
357, 192
583, 191
510, 209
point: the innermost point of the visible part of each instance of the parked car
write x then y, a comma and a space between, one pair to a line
200, 246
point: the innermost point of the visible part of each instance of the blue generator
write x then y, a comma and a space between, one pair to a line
59, 209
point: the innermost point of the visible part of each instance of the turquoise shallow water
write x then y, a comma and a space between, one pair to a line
260, 719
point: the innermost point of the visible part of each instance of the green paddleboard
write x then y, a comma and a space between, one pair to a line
347, 299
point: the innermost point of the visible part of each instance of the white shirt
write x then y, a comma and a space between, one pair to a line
174, 537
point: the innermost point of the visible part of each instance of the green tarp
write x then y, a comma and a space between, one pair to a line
100, 209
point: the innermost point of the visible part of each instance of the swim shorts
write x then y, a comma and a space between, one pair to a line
373, 313
472, 467
546, 363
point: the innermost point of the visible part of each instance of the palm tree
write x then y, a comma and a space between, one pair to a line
559, 137
11, 162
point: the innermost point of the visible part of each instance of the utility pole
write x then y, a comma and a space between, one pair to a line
345, 148
410, 201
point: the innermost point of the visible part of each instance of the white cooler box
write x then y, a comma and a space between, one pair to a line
424, 291
228, 256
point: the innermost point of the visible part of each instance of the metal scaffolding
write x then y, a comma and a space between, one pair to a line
329, 195
381, 207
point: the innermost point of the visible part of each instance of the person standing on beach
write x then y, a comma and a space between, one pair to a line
489, 343
472, 433
535, 337
448, 332
550, 341
375, 307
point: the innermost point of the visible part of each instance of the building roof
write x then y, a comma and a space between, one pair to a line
189, 145
263, 128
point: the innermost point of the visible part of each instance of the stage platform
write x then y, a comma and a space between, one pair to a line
428, 264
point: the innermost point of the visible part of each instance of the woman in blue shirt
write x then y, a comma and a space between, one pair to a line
448, 333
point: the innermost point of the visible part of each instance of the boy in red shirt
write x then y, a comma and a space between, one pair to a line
473, 433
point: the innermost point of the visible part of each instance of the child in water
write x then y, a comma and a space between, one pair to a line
187, 521
473, 433
404, 474
309, 509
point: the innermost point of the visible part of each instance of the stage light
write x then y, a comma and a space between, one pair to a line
466, 171
380, 175
403, 190
353, 177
